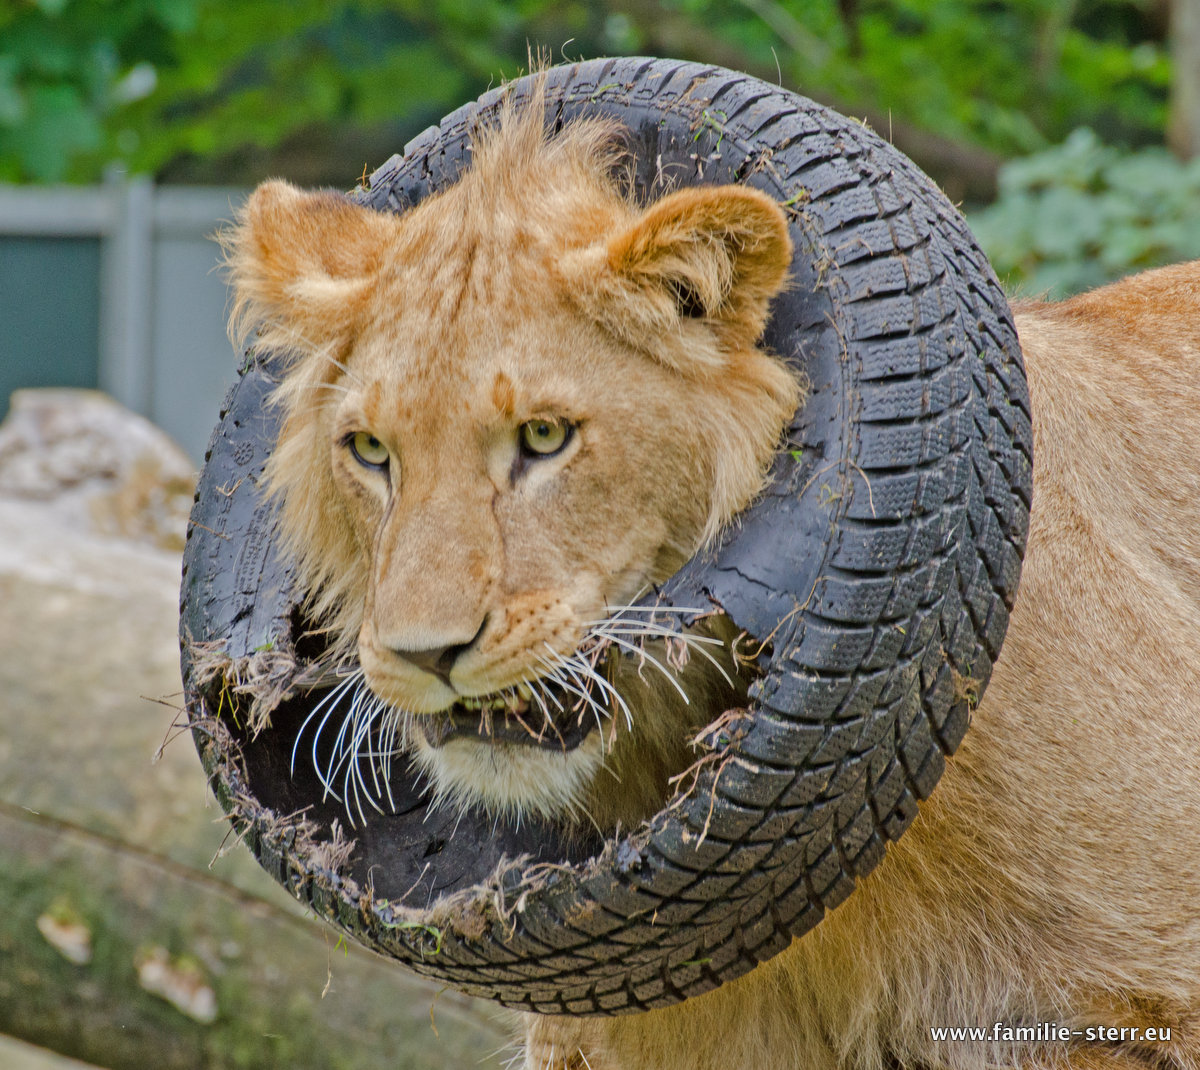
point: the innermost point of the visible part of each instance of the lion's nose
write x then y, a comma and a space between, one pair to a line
439, 660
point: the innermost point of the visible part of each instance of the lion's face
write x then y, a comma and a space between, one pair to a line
513, 409
506, 484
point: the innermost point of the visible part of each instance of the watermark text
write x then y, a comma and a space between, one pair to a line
1002, 1032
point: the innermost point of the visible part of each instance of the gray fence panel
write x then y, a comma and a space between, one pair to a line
118, 286
49, 312
193, 364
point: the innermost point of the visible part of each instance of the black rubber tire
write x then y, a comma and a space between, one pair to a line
882, 565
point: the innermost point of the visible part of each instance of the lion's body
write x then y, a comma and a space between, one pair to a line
1054, 874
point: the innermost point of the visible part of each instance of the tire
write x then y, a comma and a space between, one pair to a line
881, 564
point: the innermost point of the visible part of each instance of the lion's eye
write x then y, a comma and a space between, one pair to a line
368, 450
545, 437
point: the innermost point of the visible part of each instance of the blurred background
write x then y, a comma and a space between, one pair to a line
1068, 130
1064, 127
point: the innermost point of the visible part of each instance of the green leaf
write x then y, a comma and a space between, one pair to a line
236, 75
57, 126
12, 100
1083, 213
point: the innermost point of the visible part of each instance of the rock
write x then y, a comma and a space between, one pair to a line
15, 1055
134, 930
106, 469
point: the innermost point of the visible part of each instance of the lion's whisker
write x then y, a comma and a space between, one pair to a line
691, 641
331, 700
631, 627
349, 722
544, 693
367, 713
375, 711
590, 672
541, 701
617, 611
363, 714
391, 728
569, 666
551, 674
327, 386
343, 368
536, 688
564, 683
599, 712
572, 668
641, 652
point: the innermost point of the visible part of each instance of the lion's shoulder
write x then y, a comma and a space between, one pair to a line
1156, 310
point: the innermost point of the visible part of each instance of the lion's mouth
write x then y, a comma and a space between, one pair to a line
543, 716
353, 734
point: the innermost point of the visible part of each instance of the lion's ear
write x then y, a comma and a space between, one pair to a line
301, 264
691, 279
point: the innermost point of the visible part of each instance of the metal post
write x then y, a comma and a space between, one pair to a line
1183, 131
127, 294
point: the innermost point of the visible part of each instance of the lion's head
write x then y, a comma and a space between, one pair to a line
508, 412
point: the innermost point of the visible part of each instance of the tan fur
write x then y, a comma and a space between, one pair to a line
531, 289
1055, 873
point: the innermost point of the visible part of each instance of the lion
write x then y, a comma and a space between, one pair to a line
1050, 881
515, 408
509, 413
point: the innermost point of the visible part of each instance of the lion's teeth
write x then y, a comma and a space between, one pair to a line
517, 698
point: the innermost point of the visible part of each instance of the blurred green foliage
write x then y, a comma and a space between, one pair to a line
1012, 77
230, 90
1085, 213
84, 83
66, 67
